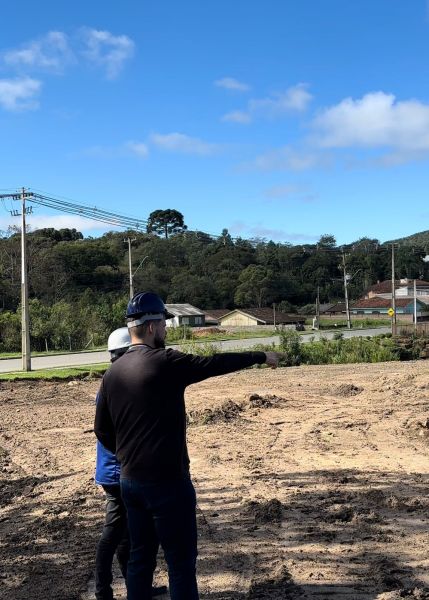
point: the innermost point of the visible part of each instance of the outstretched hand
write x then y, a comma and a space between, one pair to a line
272, 359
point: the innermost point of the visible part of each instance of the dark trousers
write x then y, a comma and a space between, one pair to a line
165, 512
114, 538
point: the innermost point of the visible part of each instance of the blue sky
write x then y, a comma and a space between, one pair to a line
283, 119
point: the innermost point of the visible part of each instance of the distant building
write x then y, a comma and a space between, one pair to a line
377, 305
214, 315
339, 308
185, 314
404, 288
247, 317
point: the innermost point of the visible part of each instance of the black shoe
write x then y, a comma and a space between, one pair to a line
159, 590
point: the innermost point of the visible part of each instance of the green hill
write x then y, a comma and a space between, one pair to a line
416, 239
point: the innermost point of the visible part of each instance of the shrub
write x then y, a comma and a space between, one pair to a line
290, 345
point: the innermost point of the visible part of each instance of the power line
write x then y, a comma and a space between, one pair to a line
93, 213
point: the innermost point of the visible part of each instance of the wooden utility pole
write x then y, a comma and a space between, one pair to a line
346, 293
25, 319
318, 308
415, 306
129, 240
393, 291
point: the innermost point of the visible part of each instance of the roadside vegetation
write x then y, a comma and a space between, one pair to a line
382, 348
339, 350
58, 374
356, 323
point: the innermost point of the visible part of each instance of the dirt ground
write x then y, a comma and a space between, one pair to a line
312, 482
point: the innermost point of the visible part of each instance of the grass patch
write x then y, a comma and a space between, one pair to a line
180, 335
6, 355
356, 323
59, 374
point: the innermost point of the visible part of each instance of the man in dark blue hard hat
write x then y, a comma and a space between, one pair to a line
141, 417
114, 536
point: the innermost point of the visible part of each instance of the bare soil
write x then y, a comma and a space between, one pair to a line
312, 482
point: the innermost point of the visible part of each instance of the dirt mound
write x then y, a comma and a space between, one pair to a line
267, 401
280, 585
346, 390
269, 511
228, 411
418, 427
417, 593
339, 512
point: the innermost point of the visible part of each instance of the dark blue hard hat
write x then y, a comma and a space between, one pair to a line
147, 303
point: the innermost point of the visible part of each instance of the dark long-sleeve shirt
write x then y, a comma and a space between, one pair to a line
140, 414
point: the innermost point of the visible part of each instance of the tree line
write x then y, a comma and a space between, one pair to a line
78, 287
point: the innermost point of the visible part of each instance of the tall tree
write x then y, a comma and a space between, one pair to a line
166, 222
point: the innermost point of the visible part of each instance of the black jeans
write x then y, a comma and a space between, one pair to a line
165, 512
114, 538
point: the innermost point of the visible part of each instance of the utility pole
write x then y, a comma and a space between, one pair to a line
318, 308
346, 293
415, 306
393, 291
26, 351
25, 316
274, 314
129, 240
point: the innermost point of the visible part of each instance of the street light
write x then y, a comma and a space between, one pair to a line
132, 276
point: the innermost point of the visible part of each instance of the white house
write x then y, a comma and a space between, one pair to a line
185, 314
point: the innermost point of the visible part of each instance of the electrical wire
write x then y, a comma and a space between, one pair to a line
93, 213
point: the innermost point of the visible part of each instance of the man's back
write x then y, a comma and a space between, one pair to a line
141, 412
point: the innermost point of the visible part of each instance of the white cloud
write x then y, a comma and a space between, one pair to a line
57, 221
133, 148
291, 193
260, 230
237, 116
229, 83
289, 159
50, 52
106, 50
138, 149
282, 191
294, 99
377, 120
184, 144
19, 94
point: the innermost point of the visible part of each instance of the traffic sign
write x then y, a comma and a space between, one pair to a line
390, 312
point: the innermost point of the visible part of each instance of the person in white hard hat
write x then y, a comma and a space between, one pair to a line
114, 537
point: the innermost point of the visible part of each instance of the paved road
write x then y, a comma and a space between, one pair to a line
90, 358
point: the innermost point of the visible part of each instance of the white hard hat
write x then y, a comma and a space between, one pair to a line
118, 339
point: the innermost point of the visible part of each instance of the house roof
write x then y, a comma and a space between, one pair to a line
266, 315
378, 302
385, 287
217, 313
184, 310
323, 307
334, 308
